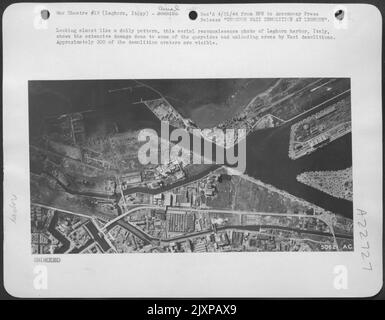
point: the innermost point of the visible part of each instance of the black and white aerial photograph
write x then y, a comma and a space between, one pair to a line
107, 174
186, 152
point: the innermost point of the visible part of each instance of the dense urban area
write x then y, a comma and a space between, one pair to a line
90, 194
